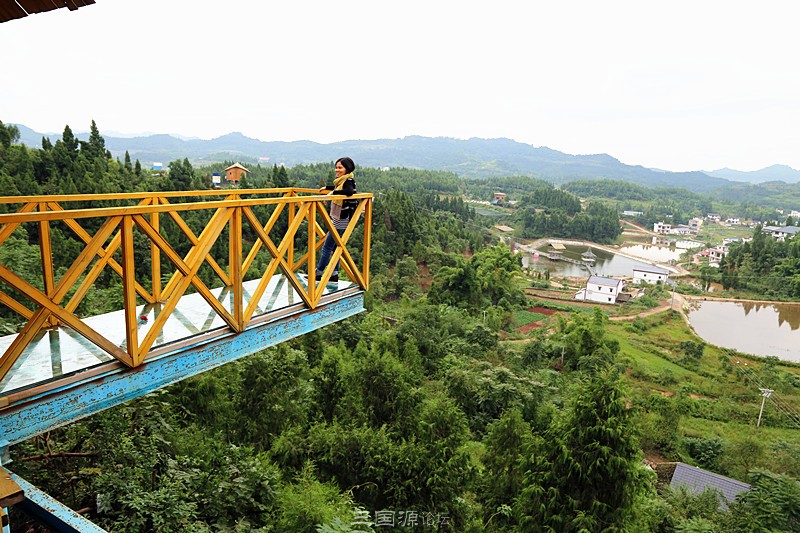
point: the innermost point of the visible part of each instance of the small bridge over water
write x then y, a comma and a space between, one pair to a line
201, 278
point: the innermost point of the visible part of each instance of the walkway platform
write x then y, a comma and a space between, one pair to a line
73, 379
61, 352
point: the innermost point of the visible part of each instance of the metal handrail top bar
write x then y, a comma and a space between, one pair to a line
145, 194
94, 212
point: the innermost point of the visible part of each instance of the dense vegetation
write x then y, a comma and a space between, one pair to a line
764, 266
753, 202
416, 411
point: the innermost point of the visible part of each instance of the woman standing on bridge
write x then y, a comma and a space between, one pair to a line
341, 211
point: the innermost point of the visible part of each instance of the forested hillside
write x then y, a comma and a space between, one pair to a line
753, 202
429, 411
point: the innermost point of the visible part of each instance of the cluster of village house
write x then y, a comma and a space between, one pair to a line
610, 290
716, 253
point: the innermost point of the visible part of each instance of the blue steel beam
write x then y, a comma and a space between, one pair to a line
58, 407
52, 512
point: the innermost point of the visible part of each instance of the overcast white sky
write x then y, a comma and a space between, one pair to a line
679, 85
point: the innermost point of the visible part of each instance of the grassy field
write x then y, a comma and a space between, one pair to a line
491, 211
714, 233
522, 317
717, 393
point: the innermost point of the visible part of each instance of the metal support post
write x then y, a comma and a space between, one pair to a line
10, 493
765, 393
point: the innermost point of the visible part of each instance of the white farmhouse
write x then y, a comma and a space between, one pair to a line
601, 290
781, 233
735, 240
650, 274
681, 230
661, 227
695, 223
715, 255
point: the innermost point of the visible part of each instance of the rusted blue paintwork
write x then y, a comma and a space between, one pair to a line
52, 512
62, 406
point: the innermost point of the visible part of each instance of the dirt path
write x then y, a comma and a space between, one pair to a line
638, 228
676, 302
653, 311
693, 298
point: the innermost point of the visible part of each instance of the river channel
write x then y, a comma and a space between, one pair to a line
756, 328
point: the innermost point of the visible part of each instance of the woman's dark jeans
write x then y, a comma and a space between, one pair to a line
325, 254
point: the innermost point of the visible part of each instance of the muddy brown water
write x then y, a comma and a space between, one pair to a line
765, 329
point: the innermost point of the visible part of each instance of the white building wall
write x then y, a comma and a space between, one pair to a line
597, 297
648, 277
601, 293
661, 227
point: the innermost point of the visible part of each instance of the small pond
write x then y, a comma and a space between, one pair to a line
660, 250
756, 328
607, 263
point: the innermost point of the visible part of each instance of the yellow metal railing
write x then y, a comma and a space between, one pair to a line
113, 245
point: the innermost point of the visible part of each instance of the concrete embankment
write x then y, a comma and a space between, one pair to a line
695, 298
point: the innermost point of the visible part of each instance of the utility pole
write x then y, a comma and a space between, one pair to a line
765, 393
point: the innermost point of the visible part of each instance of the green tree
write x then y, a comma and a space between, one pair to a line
71, 143
589, 475
585, 343
495, 270
306, 503
694, 511
330, 383
280, 178
507, 440
274, 395
384, 389
8, 135
442, 466
181, 175
456, 285
771, 505
95, 147
484, 391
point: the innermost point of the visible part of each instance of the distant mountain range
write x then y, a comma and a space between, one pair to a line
773, 173
471, 158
